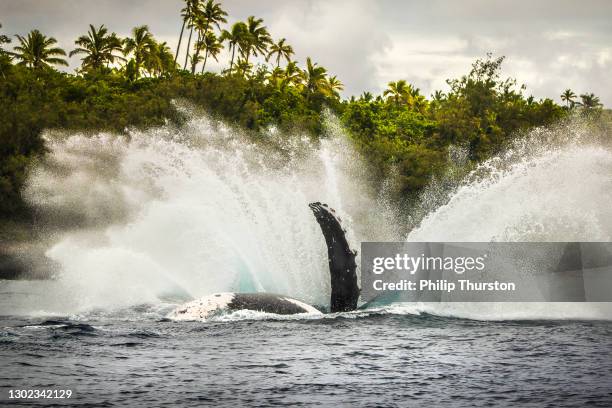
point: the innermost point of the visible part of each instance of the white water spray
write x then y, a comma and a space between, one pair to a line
191, 211
195, 211
553, 186
534, 192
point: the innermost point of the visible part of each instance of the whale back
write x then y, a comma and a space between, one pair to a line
341, 258
220, 303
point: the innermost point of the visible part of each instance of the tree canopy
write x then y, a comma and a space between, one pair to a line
131, 82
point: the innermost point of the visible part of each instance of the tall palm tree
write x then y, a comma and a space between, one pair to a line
37, 51
191, 18
281, 50
398, 92
332, 87
200, 24
257, 38
590, 101
140, 45
568, 97
99, 48
186, 13
236, 38
314, 76
214, 14
211, 15
211, 46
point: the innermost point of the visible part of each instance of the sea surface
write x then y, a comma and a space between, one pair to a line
136, 357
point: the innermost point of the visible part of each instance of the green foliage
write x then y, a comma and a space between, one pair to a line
31, 101
403, 136
406, 137
395, 139
483, 112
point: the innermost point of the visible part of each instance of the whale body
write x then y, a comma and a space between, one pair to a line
209, 306
342, 269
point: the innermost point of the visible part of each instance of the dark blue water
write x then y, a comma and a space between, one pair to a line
139, 359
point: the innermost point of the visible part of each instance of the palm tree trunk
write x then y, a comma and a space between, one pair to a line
179, 44
188, 45
232, 60
278, 61
197, 53
205, 58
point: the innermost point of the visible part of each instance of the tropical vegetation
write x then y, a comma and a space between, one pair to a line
131, 82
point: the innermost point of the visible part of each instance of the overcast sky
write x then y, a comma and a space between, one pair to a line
550, 45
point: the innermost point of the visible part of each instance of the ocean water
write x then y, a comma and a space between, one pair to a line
132, 227
380, 359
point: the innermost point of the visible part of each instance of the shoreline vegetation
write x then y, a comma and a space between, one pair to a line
132, 82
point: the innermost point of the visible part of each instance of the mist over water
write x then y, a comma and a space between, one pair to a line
171, 214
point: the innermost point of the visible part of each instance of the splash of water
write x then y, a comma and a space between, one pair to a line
201, 209
551, 186
197, 210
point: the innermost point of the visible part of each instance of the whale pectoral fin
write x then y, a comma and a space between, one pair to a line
342, 266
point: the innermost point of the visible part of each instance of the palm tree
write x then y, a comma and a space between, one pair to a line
211, 46
3, 40
277, 78
332, 87
201, 26
159, 60
243, 66
366, 96
281, 50
98, 46
257, 38
191, 18
166, 60
141, 45
294, 74
438, 96
37, 51
568, 97
590, 101
398, 92
211, 15
419, 102
314, 76
214, 14
235, 38
186, 13
5, 57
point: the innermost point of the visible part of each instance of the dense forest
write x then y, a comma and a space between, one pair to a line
131, 82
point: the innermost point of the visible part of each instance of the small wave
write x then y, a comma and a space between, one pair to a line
127, 344
63, 327
510, 311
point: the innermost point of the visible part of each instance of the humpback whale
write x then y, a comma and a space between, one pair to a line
342, 269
